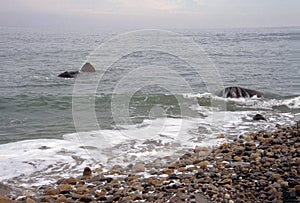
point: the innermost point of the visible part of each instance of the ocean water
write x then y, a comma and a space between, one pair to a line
154, 95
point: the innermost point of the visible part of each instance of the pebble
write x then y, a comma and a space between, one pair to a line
64, 187
258, 117
87, 173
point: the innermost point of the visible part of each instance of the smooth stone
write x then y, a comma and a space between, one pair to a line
85, 198
82, 189
200, 149
61, 199
102, 198
51, 191
203, 164
64, 187
277, 141
87, 67
87, 173
258, 117
71, 181
139, 167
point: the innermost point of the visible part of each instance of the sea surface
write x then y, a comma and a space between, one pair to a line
155, 94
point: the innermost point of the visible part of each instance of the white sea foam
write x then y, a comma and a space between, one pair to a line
254, 102
293, 102
38, 162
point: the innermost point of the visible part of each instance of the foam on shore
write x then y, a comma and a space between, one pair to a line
32, 163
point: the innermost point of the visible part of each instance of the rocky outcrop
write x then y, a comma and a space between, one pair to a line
87, 68
239, 92
69, 74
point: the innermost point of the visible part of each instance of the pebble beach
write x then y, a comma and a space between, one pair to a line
261, 167
156, 101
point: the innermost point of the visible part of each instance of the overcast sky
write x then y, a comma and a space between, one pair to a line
112, 14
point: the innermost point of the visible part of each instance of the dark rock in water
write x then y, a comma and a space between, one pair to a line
87, 172
258, 117
238, 92
87, 68
68, 74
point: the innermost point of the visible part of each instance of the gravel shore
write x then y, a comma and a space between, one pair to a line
261, 167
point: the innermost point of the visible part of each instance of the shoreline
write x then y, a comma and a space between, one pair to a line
263, 166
